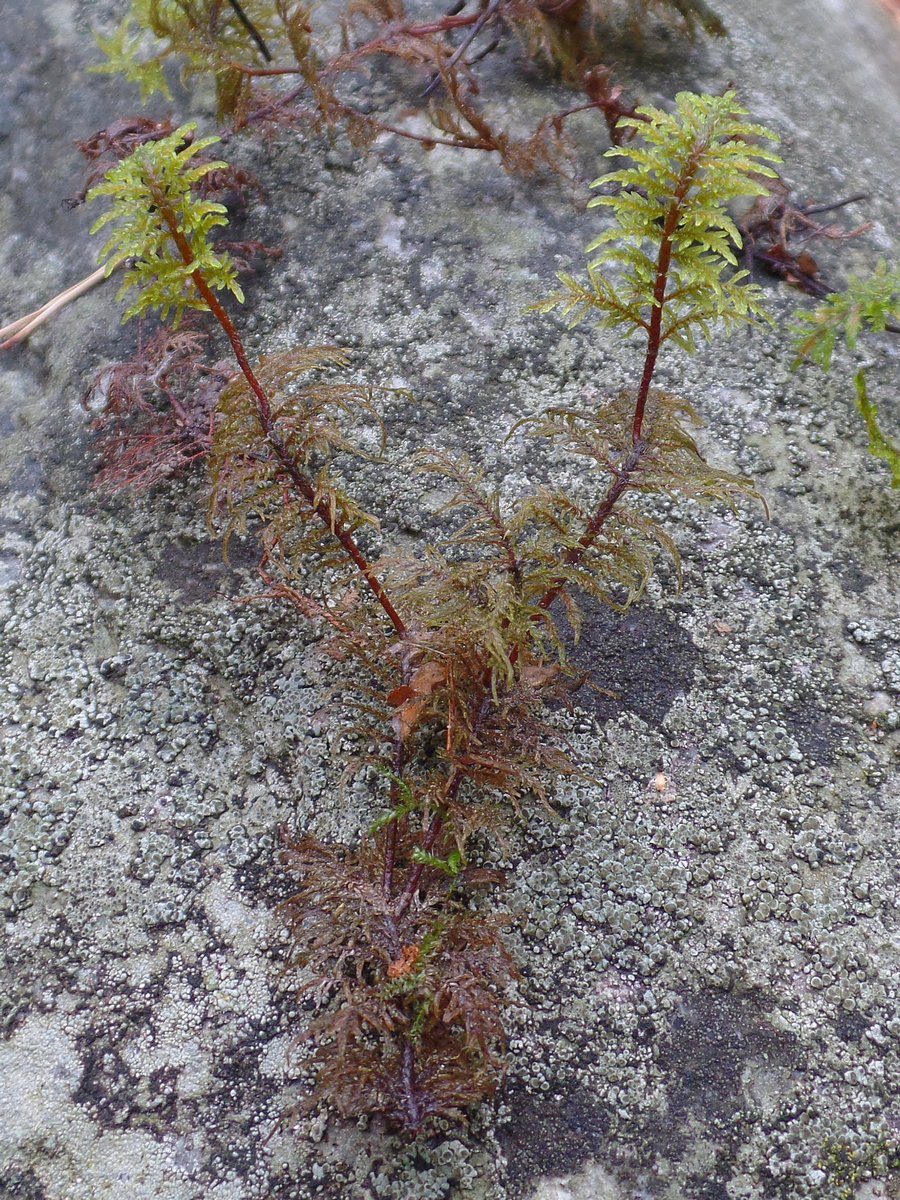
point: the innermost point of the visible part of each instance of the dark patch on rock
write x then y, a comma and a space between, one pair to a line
552, 1135
243, 1095
262, 879
27, 978
818, 735
15, 1004
853, 578
107, 1088
110, 1091
643, 655
28, 477
198, 570
238, 1063
711, 1189
713, 1034
851, 1026
18, 1184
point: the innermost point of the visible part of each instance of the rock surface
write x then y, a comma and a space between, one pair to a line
710, 969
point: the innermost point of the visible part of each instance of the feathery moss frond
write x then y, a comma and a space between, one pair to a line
669, 462
204, 36
868, 304
418, 1031
616, 565
486, 527
485, 586
695, 14
570, 37
245, 52
154, 205
478, 592
311, 423
673, 240
123, 50
411, 976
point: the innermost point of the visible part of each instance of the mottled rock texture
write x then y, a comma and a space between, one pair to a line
709, 972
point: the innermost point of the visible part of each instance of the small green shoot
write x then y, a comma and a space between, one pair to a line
880, 445
451, 865
161, 227
868, 304
408, 802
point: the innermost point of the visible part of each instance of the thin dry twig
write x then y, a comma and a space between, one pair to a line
17, 331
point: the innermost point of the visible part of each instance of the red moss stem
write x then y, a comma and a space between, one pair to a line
264, 407
663, 263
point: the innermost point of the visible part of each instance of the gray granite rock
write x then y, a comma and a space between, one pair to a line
709, 994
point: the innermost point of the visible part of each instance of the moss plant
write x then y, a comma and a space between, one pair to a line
674, 244
454, 652
867, 305
272, 63
161, 228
